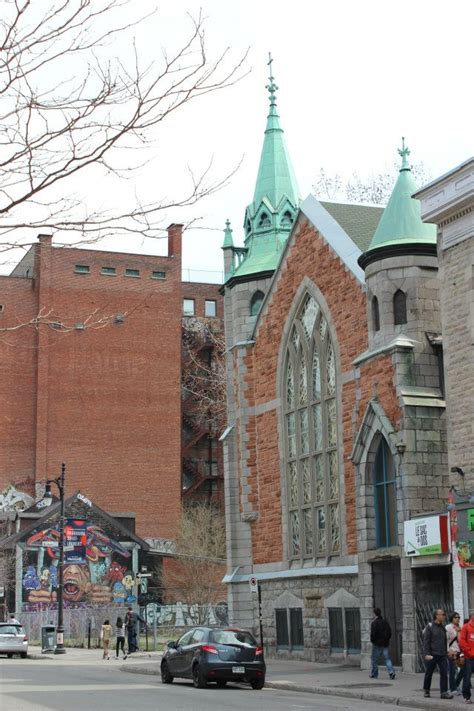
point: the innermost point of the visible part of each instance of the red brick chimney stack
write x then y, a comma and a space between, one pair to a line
175, 236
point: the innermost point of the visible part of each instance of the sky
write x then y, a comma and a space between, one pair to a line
353, 76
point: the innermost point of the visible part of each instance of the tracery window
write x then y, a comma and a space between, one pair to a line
264, 220
311, 436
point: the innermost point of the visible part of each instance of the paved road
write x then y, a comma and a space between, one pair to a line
56, 683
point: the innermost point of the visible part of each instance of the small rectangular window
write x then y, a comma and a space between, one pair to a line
282, 638
82, 269
336, 629
352, 630
210, 308
188, 307
296, 627
132, 272
158, 275
108, 271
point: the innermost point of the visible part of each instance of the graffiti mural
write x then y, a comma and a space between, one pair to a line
97, 569
13, 500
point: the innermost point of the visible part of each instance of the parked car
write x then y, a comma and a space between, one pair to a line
13, 640
219, 655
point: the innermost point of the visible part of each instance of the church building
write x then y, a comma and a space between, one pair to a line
336, 415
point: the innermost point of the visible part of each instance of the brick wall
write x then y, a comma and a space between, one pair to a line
104, 399
309, 256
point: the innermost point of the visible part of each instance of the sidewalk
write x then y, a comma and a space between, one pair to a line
345, 682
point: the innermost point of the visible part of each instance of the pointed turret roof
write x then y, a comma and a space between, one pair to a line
228, 240
401, 225
275, 178
270, 216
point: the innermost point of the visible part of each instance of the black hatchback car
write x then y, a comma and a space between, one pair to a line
206, 654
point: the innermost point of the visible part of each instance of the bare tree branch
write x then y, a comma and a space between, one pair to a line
67, 106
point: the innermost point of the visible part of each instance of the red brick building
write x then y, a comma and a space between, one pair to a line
90, 375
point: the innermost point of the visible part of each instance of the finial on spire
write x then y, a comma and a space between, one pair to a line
272, 87
228, 241
404, 152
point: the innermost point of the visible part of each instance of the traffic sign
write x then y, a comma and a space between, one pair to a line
253, 582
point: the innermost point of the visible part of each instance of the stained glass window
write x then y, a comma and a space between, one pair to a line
290, 385
311, 436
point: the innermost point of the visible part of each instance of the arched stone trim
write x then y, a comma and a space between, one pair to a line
307, 286
375, 425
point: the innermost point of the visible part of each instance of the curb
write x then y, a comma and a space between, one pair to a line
404, 701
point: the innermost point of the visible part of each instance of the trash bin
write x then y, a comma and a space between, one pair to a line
48, 638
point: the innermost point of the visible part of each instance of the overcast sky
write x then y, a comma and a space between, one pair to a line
353, 77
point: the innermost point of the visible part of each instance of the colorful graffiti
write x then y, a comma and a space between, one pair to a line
13, 500
97, 569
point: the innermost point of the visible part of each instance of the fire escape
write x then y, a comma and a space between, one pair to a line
202, 466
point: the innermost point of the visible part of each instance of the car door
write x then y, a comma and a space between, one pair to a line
175, 658
190, 650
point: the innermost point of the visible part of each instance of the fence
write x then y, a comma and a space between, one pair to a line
82, 625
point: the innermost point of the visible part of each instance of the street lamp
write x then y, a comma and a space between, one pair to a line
48, 498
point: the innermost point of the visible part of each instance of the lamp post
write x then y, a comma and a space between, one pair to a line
60, 649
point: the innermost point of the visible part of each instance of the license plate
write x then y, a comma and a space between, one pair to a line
238, 670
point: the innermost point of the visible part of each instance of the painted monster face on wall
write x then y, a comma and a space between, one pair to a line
77, 582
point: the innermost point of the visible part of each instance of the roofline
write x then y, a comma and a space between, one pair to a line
449, 174
255, 276
50, 511
426, 249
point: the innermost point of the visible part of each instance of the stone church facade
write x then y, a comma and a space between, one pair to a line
336, 415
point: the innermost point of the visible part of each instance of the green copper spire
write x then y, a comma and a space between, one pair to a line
401, 221
269, 218
228, 241
275, 177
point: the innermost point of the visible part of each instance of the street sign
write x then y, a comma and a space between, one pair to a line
2, 591
144, 575
253, 582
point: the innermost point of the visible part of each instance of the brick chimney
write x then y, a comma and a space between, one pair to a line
175, 235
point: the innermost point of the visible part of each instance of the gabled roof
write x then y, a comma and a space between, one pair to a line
358, 221
75, 506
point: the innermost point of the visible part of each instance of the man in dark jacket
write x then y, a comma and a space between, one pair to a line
380, 633
435, 652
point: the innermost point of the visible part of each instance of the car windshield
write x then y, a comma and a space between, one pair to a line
232, 637
11, 629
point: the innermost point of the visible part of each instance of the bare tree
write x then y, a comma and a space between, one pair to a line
375, 188
194, 577
204, 375
71, 110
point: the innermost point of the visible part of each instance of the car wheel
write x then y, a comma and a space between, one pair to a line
23, 655
257, 684
221, 683
10, 655
199, 680
166, 677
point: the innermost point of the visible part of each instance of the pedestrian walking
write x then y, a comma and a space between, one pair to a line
131, 621
455, 656
466, 644
120, 638
380, 634
105, 635
435, 652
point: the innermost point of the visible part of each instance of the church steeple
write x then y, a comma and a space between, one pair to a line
270, 216
401, 229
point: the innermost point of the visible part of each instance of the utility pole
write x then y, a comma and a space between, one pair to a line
60, 649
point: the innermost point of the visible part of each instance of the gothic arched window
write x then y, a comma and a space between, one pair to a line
287, 219
375, 314
385, 496
256, 302
312, 468
264, 220
399, 307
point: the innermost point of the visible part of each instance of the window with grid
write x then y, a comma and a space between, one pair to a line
311, 436
385, 497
